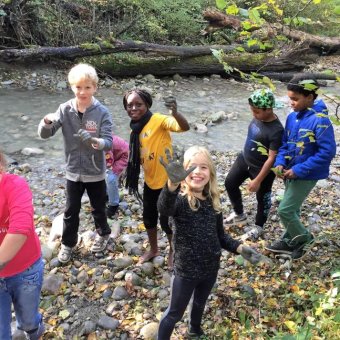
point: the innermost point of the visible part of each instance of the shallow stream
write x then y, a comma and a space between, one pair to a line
22, 109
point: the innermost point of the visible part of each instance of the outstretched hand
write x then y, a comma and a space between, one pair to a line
253, 256
171, 104
175, 169
85, 136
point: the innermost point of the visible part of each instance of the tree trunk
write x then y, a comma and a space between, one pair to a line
245, 62
217, 20
86, 50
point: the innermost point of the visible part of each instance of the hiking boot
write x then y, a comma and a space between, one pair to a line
100, 243
111, 211
235, 219
253, 234
65, 254
301, 251
281, 247
194, 334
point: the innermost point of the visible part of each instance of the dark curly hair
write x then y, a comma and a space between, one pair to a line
297, 85
145, 96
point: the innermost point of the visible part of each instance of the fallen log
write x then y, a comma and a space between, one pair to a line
217, 20
73, 52
204, 65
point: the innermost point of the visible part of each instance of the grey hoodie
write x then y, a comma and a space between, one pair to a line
83, 162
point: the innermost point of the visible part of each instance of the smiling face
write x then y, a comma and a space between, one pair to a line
84, 90
136, 108
300, 102
198, 178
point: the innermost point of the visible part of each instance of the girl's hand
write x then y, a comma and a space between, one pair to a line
253, 186
252, 255
174, 169
171, 104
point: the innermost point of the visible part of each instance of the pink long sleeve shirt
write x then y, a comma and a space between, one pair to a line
117, 158
16, 217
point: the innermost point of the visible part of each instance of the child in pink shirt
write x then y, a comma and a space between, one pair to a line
116, 163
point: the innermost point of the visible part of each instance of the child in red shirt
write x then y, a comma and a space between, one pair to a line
21, 265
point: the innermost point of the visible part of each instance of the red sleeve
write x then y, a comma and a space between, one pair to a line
20, 206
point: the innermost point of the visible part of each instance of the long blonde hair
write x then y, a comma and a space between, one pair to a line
211, 189
3, 162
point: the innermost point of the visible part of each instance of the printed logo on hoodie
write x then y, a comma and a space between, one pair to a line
91, 126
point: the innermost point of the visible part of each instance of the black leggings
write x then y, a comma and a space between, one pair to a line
181, 292
150, 211
238, 173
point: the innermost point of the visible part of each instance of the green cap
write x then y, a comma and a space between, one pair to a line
262, 99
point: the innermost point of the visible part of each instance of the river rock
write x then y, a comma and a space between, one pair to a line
149, 331
123, 262
107, 322
52, 284
120, 293
88, 327
133, 278
147, 268
32, 151
200, 128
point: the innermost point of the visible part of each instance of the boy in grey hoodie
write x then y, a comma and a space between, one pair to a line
87, 131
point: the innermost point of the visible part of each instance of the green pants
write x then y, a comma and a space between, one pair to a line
296, 191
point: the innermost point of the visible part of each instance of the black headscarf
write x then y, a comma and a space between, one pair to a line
133, 168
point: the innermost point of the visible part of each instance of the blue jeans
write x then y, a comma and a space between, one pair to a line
23, 290
112, 187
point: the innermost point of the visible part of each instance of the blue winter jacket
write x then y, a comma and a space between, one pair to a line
308, 144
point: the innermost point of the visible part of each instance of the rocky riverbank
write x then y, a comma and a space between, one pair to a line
111, 297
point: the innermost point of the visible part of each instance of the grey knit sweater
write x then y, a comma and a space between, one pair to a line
198, 235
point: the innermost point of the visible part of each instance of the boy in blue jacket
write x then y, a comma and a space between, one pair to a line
308, 146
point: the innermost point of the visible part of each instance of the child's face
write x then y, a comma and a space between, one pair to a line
198, 178
84, 91
135, 106
299, 102
264, 115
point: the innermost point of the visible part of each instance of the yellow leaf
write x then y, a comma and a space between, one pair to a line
272, 302
103, 287
64, 314
291, 325
294, 288
141, 227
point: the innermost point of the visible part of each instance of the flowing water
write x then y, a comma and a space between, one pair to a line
22, 109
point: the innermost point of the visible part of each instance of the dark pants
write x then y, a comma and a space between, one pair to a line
238, 173
150, 211
181, 292
97, 195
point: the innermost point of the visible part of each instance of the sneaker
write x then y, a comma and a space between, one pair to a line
235, 219
65, 254
280, 246
195, 334
300, 252
111, 211
253, 234
100, 243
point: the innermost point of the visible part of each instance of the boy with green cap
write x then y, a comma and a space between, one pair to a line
255, 162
